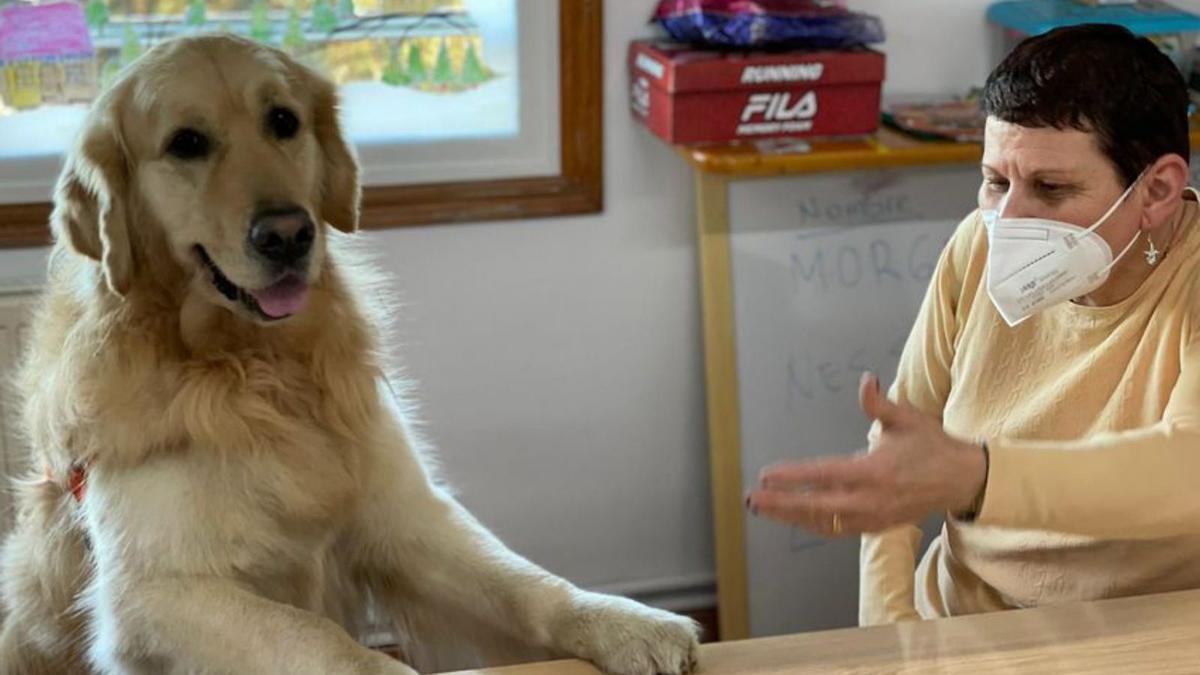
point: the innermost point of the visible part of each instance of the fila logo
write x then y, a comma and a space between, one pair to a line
778, 107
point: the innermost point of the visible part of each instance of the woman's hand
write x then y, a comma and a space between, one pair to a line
916, 468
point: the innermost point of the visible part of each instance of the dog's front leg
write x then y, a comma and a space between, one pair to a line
210, 625
420, 545
183, 562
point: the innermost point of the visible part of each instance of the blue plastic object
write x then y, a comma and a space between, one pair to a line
1148, 17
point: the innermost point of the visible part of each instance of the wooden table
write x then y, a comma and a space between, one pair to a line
1135, 636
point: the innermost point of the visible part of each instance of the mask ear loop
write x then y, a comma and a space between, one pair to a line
1121, 200
1095, 275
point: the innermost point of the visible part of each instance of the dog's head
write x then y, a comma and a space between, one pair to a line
223, 154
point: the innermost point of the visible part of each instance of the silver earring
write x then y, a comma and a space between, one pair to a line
1152, 253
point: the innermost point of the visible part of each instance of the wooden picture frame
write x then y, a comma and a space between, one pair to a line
576, 189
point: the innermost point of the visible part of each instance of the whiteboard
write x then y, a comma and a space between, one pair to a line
828, 274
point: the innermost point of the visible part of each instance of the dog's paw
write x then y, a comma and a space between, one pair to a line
623, 637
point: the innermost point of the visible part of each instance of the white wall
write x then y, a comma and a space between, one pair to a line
934, 46
942, 46
560, 363
560, 360
22, 268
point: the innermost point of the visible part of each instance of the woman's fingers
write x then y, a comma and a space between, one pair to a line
831, 514
840, 473
877, 406
868, 391
832, 497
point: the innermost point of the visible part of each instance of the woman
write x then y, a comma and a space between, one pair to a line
1048, 398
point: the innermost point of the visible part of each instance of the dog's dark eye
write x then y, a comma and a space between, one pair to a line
188, 144
282, 122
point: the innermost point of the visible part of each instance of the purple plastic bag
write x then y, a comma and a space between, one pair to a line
767, 23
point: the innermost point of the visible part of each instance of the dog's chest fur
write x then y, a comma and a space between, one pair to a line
241, 462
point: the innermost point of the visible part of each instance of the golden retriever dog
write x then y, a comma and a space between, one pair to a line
225, 481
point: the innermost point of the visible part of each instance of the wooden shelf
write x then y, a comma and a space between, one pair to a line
884, 149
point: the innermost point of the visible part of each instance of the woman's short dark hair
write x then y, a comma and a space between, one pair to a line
1098, 78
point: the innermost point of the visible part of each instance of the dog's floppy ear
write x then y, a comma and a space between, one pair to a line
90, 210
340, 191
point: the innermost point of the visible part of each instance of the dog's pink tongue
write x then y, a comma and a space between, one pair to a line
284, 298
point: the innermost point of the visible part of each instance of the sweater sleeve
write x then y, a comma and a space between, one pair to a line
1137, 484
887, 560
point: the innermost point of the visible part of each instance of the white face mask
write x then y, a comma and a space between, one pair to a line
1034, 263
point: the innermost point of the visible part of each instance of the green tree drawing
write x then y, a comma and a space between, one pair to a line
131, 47
293, 39
260, 21
196, 13
473, 71
393, 72
345, 9
97, 14
416, 65
323, 18
442, 73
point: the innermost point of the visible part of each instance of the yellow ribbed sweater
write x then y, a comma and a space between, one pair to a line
1092, 415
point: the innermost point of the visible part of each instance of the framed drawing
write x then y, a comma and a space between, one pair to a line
461, 110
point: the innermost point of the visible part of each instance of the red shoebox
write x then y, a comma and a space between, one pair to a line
691, 96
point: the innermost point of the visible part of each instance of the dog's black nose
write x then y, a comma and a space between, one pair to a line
282, 235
